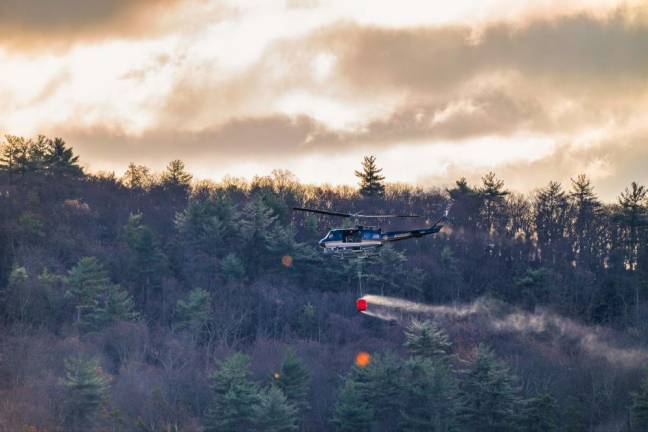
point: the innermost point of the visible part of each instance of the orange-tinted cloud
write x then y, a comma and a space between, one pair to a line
52, 23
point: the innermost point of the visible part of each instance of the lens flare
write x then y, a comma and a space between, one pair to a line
362, 359
286, 261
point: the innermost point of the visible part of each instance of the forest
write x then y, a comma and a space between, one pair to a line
157, 302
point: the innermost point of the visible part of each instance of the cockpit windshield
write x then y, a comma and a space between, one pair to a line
334, 235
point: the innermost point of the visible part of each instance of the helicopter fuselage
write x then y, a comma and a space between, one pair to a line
363, 238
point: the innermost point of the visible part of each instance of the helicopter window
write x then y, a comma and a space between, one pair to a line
334, 235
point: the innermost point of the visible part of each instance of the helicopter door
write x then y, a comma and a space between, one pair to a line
353, 236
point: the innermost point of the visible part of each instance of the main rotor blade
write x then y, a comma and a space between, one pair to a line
353, 215
385, 216
326, 212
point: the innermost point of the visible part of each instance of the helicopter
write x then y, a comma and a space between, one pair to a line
367, 238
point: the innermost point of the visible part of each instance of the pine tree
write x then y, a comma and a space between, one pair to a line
640, 405
493, 195
489, 397
85, 282
352, 412
232, 267
176, 175
113, 305
371, 182
235, 396
551, 216
274, 413
85, 389
193, 313
148, 263
632, 215
382, 386
539, 414
430, 397
586, 208
59, 159
294, 381
426, 339
97, 300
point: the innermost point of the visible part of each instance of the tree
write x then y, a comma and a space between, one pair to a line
551, 222
430, 397
85, 282
632, 215
193, 313
352, 412
493, 194
274, 413
294, 381
587, 208
371, 182
147, 265
489, 397
113, 305
97, 300
85, 390
235, 396
137, 177
176, 175
538, 414
59, 159
382, 386
427, 340
640, 405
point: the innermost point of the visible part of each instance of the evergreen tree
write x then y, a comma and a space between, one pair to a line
586, 209
148, 263
382, 386
430, 397
176, 176
97, 300
493, 195
371, 182
294, 381
235, 396
640, 405
274, 413
59, 159
538, 414
489, 397
15, 156
193, 313
232, 267
352, 412
551, 218
85, 389
426, 339
85, 282
632, 215
114, 304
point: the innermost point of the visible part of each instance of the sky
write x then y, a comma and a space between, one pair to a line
534, 90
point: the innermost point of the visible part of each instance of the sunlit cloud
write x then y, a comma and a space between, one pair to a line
528, 89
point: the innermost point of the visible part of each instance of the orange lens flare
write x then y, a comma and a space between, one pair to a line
362, 359
286, 261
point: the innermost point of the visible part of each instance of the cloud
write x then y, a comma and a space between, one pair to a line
568, 50
612, 162
46, 24
329, 89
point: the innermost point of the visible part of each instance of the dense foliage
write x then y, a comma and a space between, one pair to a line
159, 303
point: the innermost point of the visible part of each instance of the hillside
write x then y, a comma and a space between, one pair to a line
154, 302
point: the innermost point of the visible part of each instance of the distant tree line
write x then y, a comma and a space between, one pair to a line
153, 302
